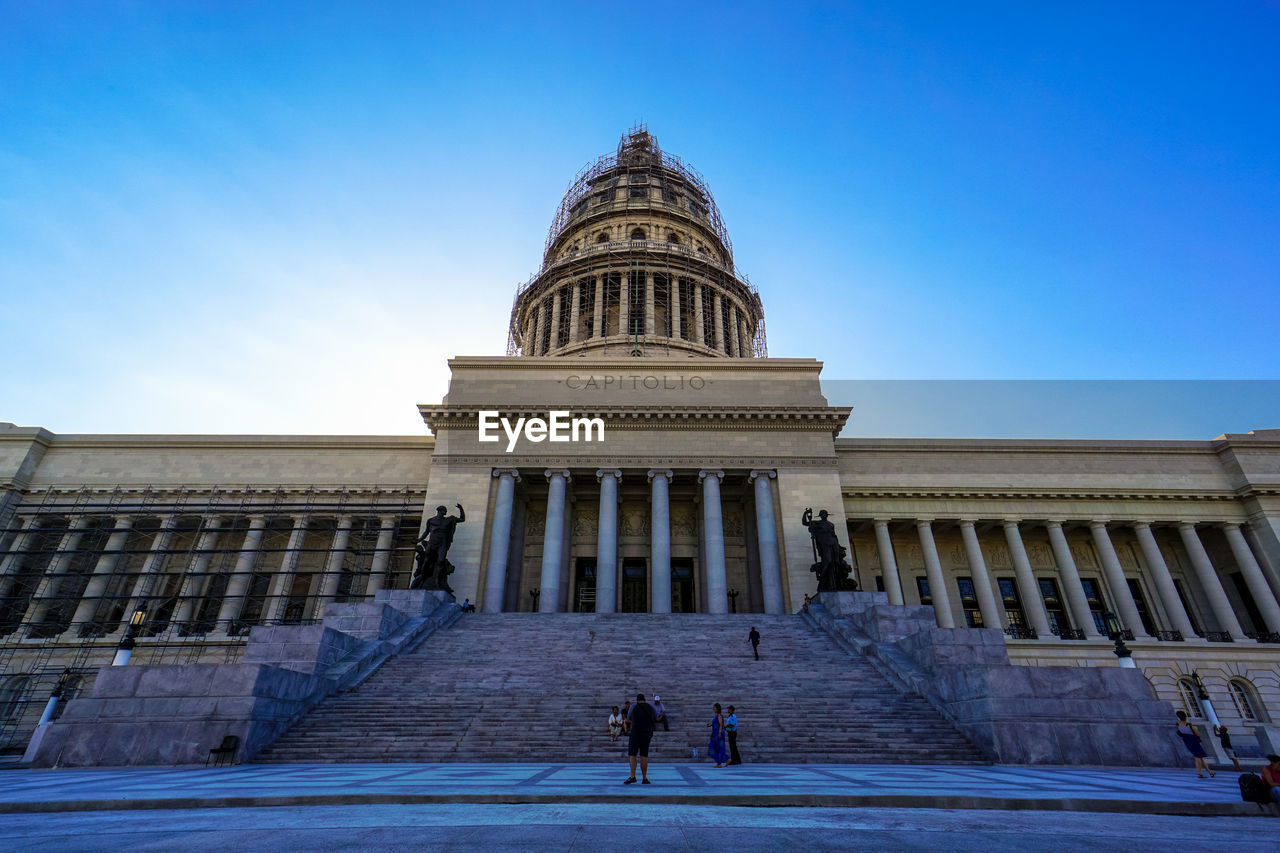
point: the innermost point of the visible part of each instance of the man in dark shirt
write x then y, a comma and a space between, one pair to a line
754, 637
643, 721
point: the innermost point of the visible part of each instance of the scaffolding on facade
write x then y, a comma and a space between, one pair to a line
203, 565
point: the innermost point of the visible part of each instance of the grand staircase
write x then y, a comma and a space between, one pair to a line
539, 687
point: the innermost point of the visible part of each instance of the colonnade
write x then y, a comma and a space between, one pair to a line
730, 330
659, 482
942, 588
152, 587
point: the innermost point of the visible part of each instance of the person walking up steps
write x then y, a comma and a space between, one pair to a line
754, 637
643, 721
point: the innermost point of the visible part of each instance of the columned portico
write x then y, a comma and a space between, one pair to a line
102, 571
713, 530
1253, 577
933, 570
767, 537
1208, 577
500, 540
1032, 601
381, 556
992, 617
1129, 616
1163, 580
888, 562
193, 582
660, 539
1076, 599
233, 601
553, 540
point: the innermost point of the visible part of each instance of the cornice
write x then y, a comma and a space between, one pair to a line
638, 366
1031, 445
1036, 494
245, 442
663, 417
685, 463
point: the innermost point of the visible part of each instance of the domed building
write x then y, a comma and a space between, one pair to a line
637, 450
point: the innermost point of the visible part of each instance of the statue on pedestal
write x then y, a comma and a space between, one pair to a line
830, 565
431, 568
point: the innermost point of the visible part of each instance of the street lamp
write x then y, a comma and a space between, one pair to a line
1116, 633
63, 681
534, 593
124, 651
733, 601
1202, 694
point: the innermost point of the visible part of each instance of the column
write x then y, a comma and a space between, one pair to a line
283, 586
767, 537
1163, 580
933, 569
888, 563
1264, 559
575, 311
1253, 577
699, 317
1115, 579
607, 541
673, 311
992, 612
13, 558
597, 309
733, 330
1218, 600
381, 556
151, 566
194, 580
717, 321
744, 338
553, 540
553, 342
495, 579
333, 563
1070, 575
1032, 601
539, 318
659, 541
713, 525
650, 315
238, 585
43, 598
102, 571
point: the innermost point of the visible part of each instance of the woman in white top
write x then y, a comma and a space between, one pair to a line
615, 724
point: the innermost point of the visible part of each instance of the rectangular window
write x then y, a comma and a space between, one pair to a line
635, 303
969, 601
586, 308
922, 587
879, 583
708, 318
1097, 606
1186, 606
1058, 621
1140, 601
612, 323
1012, 602
638, 192
1246, 598
687, 309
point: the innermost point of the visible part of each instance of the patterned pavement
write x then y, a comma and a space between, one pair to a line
1136, 790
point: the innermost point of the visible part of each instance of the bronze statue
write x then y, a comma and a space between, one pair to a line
830, 565
432, 569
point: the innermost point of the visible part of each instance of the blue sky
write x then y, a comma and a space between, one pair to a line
216, 217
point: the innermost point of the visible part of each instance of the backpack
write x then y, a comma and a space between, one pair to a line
1253, 789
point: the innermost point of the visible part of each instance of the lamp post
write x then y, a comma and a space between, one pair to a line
1203, 695
733, 601
56, 696
124, 651
534, 593
1116, 633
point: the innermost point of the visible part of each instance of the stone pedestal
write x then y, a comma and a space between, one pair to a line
413, 602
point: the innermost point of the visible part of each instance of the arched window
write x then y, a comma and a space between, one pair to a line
637, 234
11, 690
602, 237
672, 238
1247, 705
1190, 702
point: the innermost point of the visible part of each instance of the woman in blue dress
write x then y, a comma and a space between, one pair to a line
1191, 740
718, 749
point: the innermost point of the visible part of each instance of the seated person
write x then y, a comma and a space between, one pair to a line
615, 724
1271, 775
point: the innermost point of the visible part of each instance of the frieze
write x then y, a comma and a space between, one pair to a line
635, 521
732, 520
998, 554
1084, 556
586, 521
1127, 558
958, 556
683, 522
1039, 555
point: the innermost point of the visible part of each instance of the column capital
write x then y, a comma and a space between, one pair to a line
1099, 523
1053, 523
1187, 525
1231, 525
513, 472
257, 521
1010, 523
562, 472
1140, 524
923, 522
615, 473
708, 472
770, 473
966, 522
659, 472
882, 522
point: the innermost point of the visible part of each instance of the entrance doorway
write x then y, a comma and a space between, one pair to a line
634, 586
682, 586
584, 586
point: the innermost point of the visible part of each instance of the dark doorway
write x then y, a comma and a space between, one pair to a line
634, 583
682, 586
584, 587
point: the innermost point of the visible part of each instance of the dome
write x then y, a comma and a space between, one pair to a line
637, 261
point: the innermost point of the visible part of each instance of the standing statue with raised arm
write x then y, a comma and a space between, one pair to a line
830, 566
432, 569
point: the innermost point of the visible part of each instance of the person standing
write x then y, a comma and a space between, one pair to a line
1225, 739
716, 749
754, 637
661, 711
1191, 740
643, 721
731, 726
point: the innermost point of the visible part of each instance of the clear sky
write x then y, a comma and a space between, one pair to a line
284, 217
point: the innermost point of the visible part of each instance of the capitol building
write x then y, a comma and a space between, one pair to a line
683, 495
